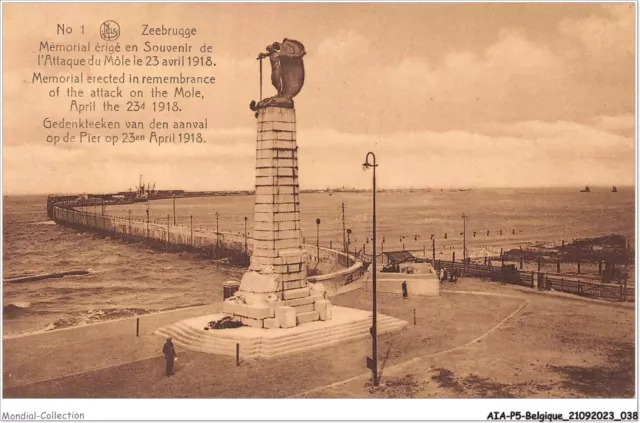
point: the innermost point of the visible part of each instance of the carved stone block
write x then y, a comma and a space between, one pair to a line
272, 323
296, 293
308, 317
286, 316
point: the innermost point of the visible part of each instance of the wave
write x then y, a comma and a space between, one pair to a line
99, 315
28, 332
98, 291
81, 318
17, 309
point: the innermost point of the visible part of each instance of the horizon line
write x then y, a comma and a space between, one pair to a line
338, 189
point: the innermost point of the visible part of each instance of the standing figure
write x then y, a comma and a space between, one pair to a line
169, 355
405, 293
287, 73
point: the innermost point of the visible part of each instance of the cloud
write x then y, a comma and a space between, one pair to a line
523, 154
343, 45
107, 168
512, 62
514, 105
621, 124
607, 36
527, 153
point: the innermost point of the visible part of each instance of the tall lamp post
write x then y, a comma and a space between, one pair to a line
373, 362
168, 228
217, 233
174, 210
318, 240
246, 253
129, 211
464, 244
348, 245
148, 218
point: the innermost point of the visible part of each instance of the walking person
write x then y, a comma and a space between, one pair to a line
169, 355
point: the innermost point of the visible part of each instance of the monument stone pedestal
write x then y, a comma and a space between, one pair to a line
274, 292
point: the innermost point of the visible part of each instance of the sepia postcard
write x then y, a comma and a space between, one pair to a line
303, 201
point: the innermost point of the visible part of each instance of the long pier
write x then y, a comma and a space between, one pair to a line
333, 268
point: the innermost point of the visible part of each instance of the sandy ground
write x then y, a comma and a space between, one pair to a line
557, 347
553, 347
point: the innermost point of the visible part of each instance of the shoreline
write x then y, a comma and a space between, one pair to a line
353, 286
105, 321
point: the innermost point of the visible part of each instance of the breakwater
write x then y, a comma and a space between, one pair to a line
331, 267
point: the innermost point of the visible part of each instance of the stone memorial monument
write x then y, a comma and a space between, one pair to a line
274, 293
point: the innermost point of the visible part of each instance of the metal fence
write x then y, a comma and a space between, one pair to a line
333, 266
237, 248
160, 234
541, 281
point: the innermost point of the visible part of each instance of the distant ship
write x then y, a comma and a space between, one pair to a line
586, 189
614, 189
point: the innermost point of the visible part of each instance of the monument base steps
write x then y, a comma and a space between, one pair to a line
307, 317
346, 325
299, 301
304, 308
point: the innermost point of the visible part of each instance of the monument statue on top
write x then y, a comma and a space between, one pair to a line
274, 293
287, 73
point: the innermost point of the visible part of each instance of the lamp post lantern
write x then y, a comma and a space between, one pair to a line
374, 328
318, 240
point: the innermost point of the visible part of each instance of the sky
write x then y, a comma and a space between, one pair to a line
445, 95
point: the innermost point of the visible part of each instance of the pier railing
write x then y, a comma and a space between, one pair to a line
330, 266
540, 281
